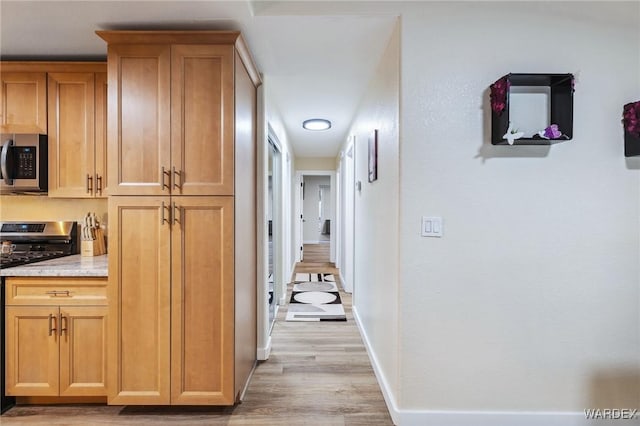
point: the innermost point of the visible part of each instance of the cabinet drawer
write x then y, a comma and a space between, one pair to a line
56, 291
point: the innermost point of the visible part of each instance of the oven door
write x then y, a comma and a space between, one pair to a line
23, 163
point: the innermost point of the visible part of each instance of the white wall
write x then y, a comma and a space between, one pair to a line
530, 301
270, 121
289, 192
376, 285
315, 163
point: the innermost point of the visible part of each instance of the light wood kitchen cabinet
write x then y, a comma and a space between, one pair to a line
23, 102
54, 349
77, 120
140, 294
188, 244
182, 212
172, 126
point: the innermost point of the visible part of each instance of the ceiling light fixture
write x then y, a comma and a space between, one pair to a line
316, 124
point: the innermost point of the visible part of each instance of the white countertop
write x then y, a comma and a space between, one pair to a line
69, 266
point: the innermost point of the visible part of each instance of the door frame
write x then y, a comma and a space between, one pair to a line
299, 210
347, 237
278, 212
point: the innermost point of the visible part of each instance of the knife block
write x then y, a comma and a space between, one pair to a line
95, 247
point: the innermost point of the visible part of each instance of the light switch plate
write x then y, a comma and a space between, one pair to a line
431, 226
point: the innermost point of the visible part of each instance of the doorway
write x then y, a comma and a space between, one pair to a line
274, 229
347, 216
316, 213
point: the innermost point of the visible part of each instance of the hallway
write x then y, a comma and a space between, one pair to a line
318, 374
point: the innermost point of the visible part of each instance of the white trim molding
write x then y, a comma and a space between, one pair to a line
387, 392
496, 418
263, 353
404, 417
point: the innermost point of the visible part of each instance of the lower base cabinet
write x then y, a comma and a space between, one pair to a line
53, 349
171, 283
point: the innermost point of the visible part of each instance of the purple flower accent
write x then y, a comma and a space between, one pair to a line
552, 132
499, 95
631, 118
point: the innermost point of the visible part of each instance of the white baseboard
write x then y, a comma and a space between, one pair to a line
350, 290
402, 417
291, 272
311, 242
387, 392
264, 352
498, 418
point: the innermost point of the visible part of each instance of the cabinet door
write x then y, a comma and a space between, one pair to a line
71, 135
31, 350
101, 177
23, 105
139, 300
202, 119
202, 294
83, 345
139, 119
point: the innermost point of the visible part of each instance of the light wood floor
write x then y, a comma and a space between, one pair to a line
316, 253
318, 374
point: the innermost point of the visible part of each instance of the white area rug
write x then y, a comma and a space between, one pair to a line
313, 277
315, 297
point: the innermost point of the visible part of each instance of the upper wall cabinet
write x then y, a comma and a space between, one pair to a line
171, 113
77, 134
23, 106
532, 109
68, 102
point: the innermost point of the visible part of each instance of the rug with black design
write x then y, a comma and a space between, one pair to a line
313, 277
315, 301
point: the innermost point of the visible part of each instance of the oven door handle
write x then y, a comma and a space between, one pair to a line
3, 161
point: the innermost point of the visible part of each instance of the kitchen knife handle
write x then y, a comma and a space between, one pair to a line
52, 328
99, 184
89, 183
176, 209
163, 219
177, 174
63, 324
166, 173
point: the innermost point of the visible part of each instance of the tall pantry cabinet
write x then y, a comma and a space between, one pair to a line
182, 198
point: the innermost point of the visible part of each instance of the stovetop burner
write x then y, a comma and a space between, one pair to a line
22, 258
37, 241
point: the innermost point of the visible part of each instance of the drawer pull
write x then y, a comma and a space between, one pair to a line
59, 293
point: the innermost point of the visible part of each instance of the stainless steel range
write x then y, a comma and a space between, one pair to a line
29, 242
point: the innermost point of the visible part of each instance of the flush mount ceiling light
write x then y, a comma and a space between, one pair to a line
316, 124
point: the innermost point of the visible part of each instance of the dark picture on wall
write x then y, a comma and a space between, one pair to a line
373, 156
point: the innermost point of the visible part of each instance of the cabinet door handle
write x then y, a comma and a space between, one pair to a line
63, 324
176, 209
166, 173
163, 219
99, 184
56, 293
53, 323
177, 174
89, 183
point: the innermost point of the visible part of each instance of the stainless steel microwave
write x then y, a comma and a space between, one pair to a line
23, 163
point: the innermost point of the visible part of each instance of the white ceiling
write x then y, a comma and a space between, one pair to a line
315, 65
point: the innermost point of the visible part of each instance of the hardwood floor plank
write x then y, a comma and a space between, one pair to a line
318, 374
